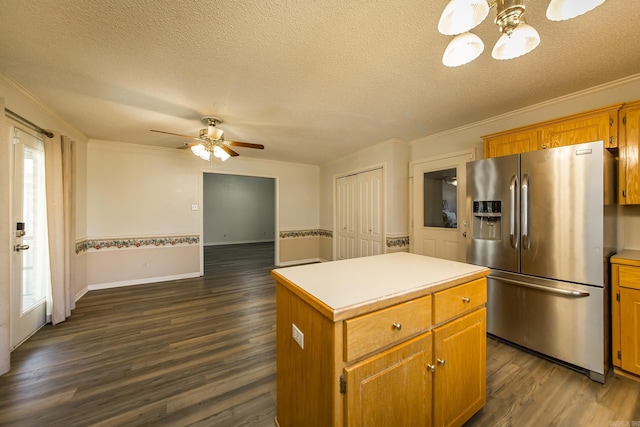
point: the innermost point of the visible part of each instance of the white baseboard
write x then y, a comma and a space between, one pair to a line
142, 281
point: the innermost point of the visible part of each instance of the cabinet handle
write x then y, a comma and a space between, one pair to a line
441, 362
544, 146
397, 326
466, 299
432, 368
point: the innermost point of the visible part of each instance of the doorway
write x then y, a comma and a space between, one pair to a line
438, 200
30, 275
238, 214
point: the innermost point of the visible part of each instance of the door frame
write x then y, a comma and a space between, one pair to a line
276, 190
383, 215
41, 307
471, 153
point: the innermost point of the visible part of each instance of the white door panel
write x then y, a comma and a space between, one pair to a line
438, 201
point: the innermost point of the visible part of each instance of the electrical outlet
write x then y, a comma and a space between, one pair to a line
298, 336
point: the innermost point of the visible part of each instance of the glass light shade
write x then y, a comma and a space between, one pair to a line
215, 133
463, 49
220, 153
561, 10
459, 16
201, 152
522, 41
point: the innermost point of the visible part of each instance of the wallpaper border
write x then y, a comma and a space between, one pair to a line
134, 242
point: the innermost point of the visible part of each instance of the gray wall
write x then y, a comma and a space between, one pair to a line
238, 209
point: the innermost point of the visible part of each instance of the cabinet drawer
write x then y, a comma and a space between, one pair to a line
374, 331
629, 277
459, 299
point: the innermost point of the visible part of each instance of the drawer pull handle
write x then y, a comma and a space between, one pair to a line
397, 326
466, 299
441, 362
432, 368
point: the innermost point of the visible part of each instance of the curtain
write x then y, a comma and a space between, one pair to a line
59, 161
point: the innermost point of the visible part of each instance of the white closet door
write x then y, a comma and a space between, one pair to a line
346, 217
369, 236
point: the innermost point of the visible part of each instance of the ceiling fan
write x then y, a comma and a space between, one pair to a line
211, 141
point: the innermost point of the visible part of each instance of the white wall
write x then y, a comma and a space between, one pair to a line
137, 191
469, 137
238, 209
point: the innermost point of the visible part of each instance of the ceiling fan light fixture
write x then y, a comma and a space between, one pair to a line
200, 151
522, 40
214, 133
460, 16
220, 153
561, 10
462, 49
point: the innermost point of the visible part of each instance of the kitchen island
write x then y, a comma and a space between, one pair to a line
393, 339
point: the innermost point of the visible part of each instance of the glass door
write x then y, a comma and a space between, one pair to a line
30, 279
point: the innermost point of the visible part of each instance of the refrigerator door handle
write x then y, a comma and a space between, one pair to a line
567, 292
514, 215
526, 241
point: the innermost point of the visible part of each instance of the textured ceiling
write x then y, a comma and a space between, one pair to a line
312, 80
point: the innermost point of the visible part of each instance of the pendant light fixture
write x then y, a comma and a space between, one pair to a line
518, 38
561, 10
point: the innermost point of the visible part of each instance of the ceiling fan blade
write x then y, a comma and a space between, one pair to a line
229, 151
245, 145
175, 134
185, 145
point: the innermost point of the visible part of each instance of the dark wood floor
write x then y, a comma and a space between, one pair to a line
202, 352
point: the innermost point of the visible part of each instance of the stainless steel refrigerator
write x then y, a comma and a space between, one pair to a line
545, 223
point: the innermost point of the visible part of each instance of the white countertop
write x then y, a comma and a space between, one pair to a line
345, 283
627, 254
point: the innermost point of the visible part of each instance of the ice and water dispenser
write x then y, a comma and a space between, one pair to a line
487, 219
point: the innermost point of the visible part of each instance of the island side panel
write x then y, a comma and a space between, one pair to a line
305, 389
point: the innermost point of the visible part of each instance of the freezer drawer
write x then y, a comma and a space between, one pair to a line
558, 319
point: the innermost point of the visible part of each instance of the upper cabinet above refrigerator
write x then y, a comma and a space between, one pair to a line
629, 167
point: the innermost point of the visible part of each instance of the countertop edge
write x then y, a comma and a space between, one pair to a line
626, 257
379, 303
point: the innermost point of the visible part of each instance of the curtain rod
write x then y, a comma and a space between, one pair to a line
35, 126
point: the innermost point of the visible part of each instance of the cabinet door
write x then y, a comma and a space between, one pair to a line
460, 352
629, 173
392, 388
589, 129
630, 329
513, 143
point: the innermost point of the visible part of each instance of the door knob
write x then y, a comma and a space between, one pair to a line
19, 248
464, 234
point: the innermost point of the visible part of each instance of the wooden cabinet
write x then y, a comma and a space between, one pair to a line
460, 375
625, 274
392, 388
420, 361
629, 167
586, 127
592, 125
511, 143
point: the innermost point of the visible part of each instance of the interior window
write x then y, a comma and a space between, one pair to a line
440, 199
